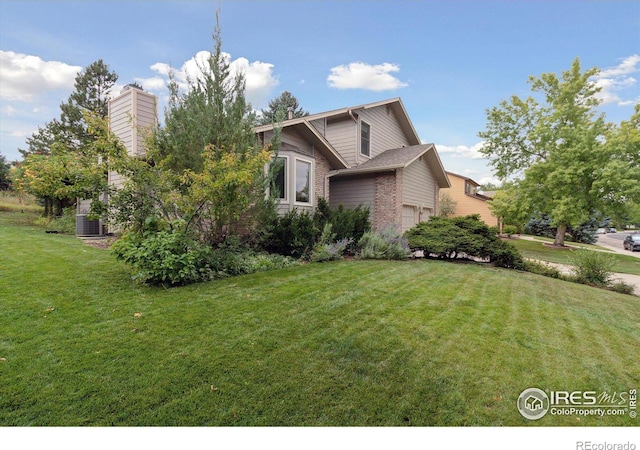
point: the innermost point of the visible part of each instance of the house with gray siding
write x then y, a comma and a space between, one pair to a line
365, 155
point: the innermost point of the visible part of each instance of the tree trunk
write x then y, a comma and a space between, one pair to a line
48, 207
559, 241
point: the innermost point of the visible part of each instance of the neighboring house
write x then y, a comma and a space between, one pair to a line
464, 191
365, 155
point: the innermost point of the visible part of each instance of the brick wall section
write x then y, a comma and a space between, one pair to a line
388, 201
321, 182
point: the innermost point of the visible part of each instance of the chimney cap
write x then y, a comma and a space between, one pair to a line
131, 86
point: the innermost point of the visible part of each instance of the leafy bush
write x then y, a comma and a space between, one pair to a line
225, 262
503, 254
293, 234
539, 268
66, 223
450, 238
386, 244
346, 223
164, 258
326, 249
509, 230
172, 258
592, 267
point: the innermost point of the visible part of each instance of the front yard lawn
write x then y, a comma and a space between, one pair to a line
345, 343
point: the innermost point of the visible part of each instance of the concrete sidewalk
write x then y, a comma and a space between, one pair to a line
633, 280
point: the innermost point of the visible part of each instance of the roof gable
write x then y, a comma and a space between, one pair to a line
395, 104
399, 158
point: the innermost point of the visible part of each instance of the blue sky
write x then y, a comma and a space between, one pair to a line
447, 60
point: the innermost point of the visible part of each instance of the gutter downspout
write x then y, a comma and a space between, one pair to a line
355, 120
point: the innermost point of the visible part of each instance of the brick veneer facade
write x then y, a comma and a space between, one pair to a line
387, 211
321, 181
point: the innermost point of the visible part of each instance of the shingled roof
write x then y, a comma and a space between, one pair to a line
399, 158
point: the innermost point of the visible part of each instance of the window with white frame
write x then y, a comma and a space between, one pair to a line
365, 138
279, 180
303, 181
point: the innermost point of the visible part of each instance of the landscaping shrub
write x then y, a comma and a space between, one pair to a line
592, 267
228, 261
386, 244
622, 288
509, 230
539, 268
503, 254
293, 234
164, 258
450, 238
328, 250
66, 223
172, 258
346, 223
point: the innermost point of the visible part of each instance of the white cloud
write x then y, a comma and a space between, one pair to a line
462, 151
26, 77
259, 78
615, 79
9, 111
359, 75
489, 179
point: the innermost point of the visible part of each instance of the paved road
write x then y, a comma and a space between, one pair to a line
613, 242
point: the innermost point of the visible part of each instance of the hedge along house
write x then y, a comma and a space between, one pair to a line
366, 155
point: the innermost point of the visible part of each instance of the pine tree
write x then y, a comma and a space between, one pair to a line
280, 107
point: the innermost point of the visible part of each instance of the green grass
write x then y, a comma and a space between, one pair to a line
9, 201
345, 343
537, 250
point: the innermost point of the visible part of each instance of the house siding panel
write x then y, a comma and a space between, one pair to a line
386, 133
353, 192
342, 135
419, 185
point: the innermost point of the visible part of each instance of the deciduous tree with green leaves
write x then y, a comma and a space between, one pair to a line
60, 163
555, 146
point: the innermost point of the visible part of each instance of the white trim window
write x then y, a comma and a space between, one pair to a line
304, 181
365, 139
280, 183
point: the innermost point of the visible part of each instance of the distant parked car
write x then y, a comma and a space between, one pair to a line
612, 230
632, 242
601, 231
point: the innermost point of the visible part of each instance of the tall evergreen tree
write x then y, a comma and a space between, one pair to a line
206, 171
5, 182
279, 108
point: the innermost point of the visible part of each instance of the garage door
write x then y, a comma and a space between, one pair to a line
409, 217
